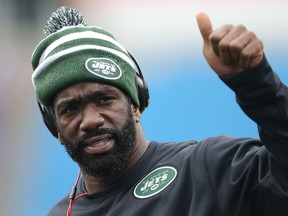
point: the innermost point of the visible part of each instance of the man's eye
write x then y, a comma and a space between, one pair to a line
67, 110
105, 99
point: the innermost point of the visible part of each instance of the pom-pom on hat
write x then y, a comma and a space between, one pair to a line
73, 52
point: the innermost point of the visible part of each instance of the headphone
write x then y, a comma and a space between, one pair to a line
143, 96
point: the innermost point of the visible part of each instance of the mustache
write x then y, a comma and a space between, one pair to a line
97, 132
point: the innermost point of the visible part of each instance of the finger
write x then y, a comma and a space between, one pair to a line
251, 55
217, 36
245, 48
230, 40
237, 46
205, 26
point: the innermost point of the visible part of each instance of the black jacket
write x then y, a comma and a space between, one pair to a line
219, 176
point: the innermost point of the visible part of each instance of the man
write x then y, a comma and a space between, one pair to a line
85, 85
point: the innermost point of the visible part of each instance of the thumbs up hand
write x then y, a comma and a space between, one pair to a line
229, 49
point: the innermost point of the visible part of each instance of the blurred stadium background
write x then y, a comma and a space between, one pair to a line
188, 101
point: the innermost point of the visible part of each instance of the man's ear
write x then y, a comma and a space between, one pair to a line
136, 112
59, 138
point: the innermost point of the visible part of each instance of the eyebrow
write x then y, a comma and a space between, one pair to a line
76, 100
67, 100
64, 102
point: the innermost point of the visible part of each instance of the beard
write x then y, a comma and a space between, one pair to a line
109, 163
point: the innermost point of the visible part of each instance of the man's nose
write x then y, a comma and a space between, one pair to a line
91, 118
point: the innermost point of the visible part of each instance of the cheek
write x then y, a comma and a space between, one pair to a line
115, 120
68, 129
120, 117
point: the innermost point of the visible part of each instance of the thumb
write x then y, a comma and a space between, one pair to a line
204, 25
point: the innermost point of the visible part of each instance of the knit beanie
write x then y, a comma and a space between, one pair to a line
73, 52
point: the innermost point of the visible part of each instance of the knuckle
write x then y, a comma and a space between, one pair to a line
252, 35
223, 45
245, 54
241, 27
214, 38
228, 26
235, 46
260, 45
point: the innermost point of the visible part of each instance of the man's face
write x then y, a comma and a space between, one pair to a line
97, 127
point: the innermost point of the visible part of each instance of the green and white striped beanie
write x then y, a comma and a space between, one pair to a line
73, 53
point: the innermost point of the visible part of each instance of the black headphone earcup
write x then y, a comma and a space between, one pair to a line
143, 92
142, 87
48, 120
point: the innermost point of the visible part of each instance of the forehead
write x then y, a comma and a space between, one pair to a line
84, 89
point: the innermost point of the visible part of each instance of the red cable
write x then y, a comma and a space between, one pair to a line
72, 197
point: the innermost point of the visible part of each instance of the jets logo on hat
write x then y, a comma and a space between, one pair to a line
103, 67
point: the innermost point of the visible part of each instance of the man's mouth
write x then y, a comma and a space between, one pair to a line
99, 144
